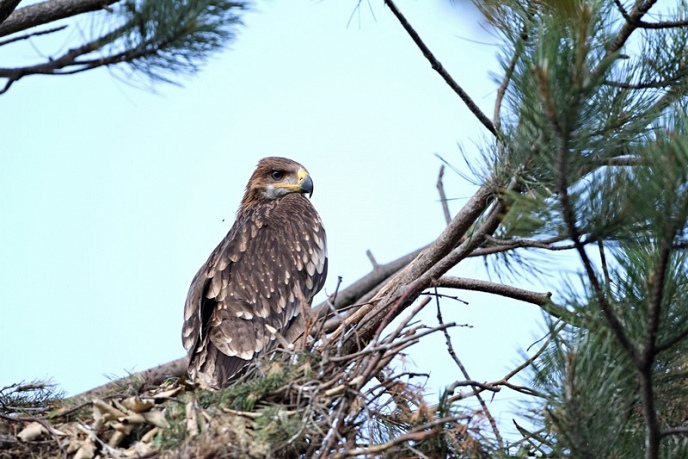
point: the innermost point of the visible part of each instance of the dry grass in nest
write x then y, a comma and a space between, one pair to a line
289, 404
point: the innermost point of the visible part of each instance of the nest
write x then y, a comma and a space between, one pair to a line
317, 402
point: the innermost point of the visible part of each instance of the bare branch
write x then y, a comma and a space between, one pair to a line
416, 435
437, 66
464, 372
663, 25
501, 91
402, 285
355, 291
505, 380
603, 262
516, 293
645, 85
32, 34
674, 431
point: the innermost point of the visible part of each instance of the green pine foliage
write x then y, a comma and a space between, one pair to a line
594, 123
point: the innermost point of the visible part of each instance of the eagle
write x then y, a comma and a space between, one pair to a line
250, 293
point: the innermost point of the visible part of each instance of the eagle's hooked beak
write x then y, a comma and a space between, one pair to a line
305, 183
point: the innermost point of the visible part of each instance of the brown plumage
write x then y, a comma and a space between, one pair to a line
253, 285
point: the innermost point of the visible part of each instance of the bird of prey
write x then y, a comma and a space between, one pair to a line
259, 278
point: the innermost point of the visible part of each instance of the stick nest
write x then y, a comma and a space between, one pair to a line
317, 402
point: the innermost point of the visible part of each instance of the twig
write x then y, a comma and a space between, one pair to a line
373, 262
464, 372
32, 34
508, 291
471, 383
416, 435
46, 425
443, 197
501, 91
504, 381
437, 66
662, 25
603, 262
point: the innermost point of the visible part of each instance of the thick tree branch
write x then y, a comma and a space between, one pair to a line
631, 24
48, 11
399, 286
6, 8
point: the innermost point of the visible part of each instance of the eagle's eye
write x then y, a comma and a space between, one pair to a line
276, 175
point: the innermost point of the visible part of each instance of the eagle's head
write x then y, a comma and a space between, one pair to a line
275, 177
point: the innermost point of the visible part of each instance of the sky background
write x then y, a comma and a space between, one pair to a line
111, 197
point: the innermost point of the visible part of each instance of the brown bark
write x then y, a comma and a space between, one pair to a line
45, 12
6, 8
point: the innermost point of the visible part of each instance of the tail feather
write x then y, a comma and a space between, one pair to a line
212, 369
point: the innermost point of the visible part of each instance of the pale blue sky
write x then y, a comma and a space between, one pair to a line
111, 197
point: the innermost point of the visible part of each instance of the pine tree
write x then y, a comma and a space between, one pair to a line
594, 129
158, 40
588, 156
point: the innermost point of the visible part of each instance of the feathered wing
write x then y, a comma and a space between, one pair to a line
252, 287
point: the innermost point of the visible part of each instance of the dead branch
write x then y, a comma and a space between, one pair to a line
418, 434
508, 291
464, 372
505, 380
430, 264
